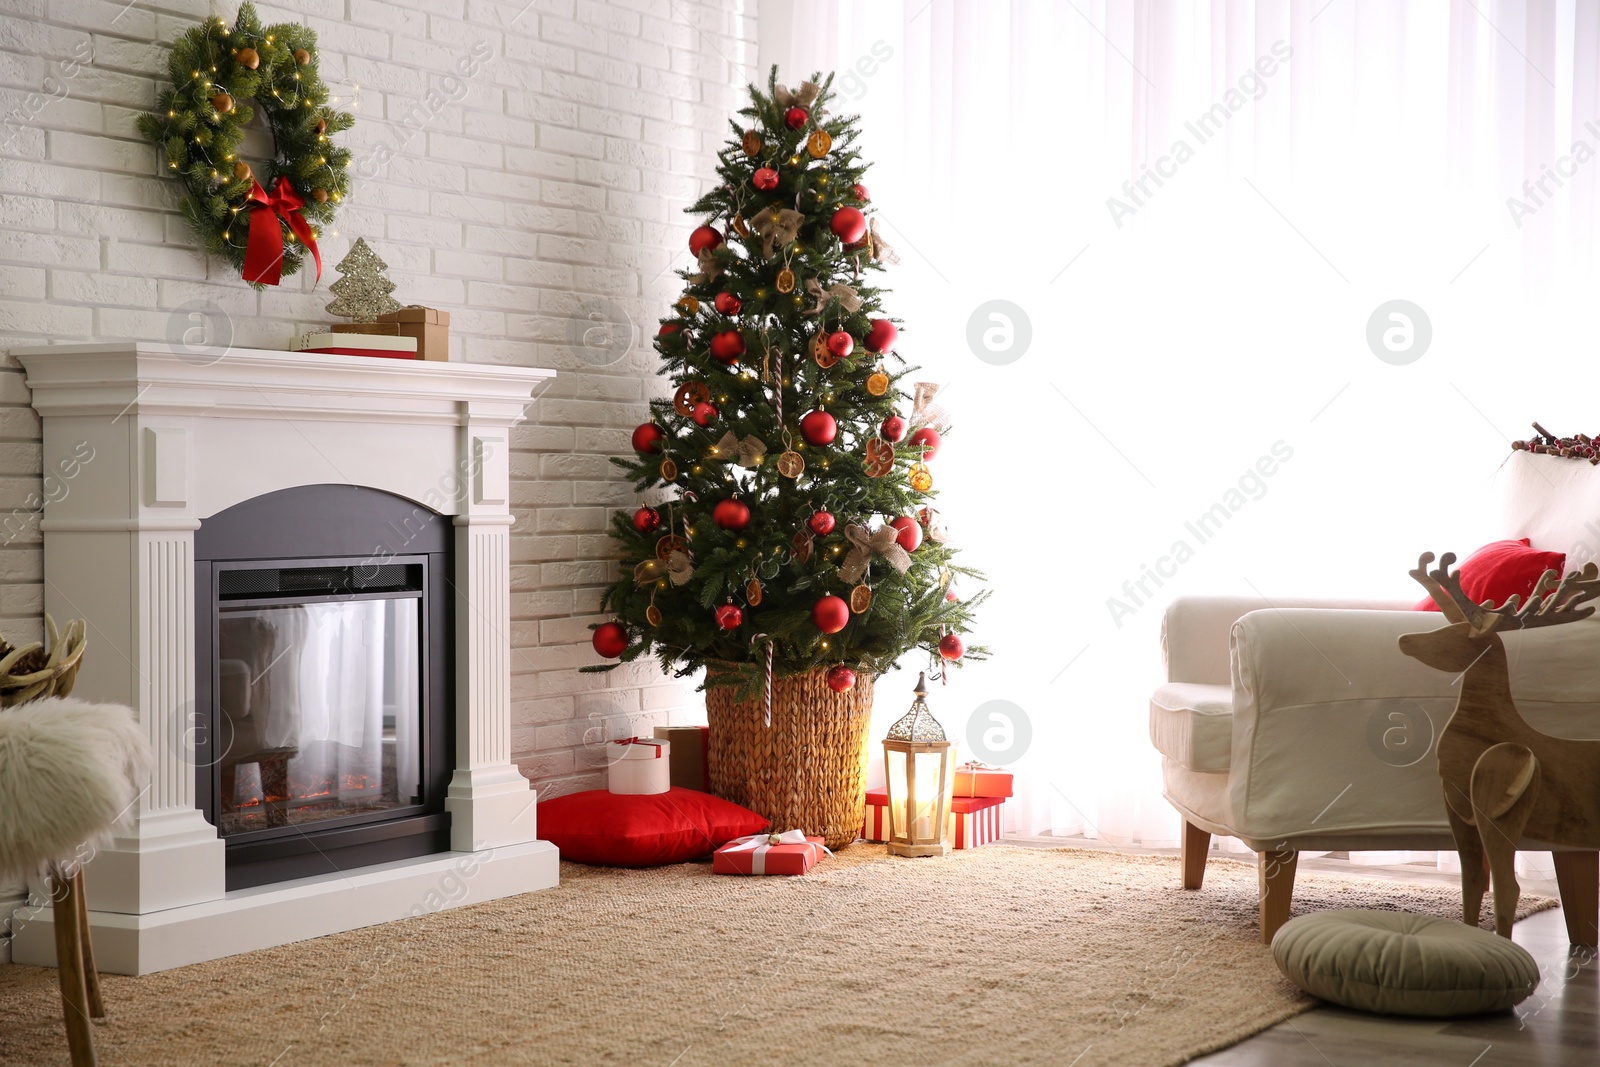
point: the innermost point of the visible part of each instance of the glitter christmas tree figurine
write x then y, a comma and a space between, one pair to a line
363, 291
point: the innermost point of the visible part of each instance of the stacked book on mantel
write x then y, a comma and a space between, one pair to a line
341, 343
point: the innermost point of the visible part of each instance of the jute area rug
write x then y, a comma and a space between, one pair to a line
995, 956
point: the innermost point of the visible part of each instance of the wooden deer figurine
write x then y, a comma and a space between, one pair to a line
1502, 778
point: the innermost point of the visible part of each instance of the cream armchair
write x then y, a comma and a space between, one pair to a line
1298, 725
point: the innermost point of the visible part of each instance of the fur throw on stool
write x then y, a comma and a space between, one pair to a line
68, 770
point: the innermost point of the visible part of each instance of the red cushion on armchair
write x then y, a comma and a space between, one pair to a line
1503, 569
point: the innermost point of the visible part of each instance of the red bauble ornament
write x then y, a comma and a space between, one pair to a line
893, 429
646, 520
727, 304
950, 646
882, 336
849, 224
668, 328
841, 344
729, 616
730, 515
702, 238
819, 428
910, 535
647, 437
821, 523
704, 414
841, 679
860, 192
830, 614
727, 346
929, 440
795, 117
610, 639
951, 596
765, 179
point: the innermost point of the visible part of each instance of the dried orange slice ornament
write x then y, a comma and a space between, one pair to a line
860, 599
688, 395
802, 547
877, 383
791, 465
751, 143
921, 477
670, 544
652, 615
752, 592
818, 143
669, 471
785, 282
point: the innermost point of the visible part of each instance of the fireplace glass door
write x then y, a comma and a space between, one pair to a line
319, 695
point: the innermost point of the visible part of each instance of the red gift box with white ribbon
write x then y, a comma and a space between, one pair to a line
975, 821
790, 852
638, 765
974, 779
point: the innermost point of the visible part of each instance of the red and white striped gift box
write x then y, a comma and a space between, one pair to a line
975, 821
978, 821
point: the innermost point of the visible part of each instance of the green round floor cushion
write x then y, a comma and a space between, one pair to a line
1397, 963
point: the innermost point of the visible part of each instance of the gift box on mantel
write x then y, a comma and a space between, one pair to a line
638, 766
975, 821
430, 326
689, 762
790, 852
974, 779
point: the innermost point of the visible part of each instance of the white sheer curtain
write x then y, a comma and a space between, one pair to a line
1198, 206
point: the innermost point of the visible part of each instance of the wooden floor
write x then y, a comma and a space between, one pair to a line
1558, 1026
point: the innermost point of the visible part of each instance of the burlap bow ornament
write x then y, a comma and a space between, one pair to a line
680, 568
746, 451
677, 567
776, 227
880, 250
865, 545
804, 96
709, 267
924, 412
848, 300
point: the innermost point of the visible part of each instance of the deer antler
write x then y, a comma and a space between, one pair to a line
1445, 589
1547, 608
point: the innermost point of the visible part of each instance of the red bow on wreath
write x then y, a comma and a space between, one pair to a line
263, 255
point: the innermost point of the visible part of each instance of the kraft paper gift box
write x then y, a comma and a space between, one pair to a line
977, 821
794, 854
430, 326
976, 780
689, 761
638, 766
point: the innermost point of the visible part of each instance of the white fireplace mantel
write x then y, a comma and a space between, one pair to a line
143, 441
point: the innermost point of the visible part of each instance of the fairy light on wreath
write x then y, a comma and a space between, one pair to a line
220, 76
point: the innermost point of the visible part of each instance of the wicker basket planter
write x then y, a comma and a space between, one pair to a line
808, 770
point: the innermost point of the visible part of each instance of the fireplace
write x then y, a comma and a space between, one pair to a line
295, 568
322, 681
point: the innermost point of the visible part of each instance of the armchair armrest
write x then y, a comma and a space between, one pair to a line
1195, 630
1334, 728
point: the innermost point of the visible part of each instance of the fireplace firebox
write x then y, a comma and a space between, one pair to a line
322, 722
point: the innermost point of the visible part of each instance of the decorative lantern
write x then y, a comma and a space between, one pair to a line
921, 773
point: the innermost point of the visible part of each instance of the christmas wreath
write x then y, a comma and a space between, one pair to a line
217, 72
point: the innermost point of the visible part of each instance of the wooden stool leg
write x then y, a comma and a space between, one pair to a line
1578, 877
91, 974
69, 971
1196, 842
1276, 872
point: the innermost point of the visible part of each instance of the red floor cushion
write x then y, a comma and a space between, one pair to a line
643, 830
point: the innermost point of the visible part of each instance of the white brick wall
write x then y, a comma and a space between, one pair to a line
548, 185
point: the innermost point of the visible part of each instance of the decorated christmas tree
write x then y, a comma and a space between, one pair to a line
796, 530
